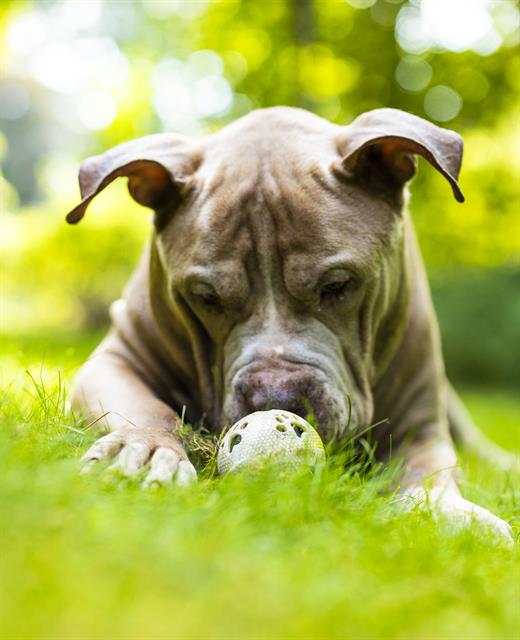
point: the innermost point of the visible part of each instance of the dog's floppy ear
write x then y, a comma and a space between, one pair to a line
157, 168
380, 146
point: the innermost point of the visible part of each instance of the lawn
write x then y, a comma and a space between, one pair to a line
323, 555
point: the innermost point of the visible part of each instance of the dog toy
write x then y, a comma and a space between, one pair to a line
273, 434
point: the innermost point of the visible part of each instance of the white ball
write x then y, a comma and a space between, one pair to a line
265, 434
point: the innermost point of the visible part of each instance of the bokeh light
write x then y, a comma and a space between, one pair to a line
442, 103
97, 110
185, 93
14, 101
69, 67
212, 96
164, 9
361, 4
27, 32
413, 73
412, 33
456, 25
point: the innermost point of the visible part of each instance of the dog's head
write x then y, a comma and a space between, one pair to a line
280, 240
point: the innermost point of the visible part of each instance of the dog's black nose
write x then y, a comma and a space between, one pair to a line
266, 389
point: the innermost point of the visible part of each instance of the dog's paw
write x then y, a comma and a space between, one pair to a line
135, 448
458, 510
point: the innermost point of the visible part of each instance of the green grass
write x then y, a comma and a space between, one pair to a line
324, 555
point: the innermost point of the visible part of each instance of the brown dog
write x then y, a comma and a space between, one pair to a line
283, 272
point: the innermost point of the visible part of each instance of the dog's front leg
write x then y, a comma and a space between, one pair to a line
141, 427
429, 482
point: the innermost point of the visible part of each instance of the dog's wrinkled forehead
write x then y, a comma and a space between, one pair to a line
266, 157
273, 166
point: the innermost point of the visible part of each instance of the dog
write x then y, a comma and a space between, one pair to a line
283, 272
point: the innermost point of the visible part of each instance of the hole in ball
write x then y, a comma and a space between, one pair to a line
235, 439
280, 427
298, 429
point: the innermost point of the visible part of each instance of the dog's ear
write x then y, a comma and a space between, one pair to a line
380, 146
157, 168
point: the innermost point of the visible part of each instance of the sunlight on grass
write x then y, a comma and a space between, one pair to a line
324, 554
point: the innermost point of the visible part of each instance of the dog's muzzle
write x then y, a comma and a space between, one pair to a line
278, 384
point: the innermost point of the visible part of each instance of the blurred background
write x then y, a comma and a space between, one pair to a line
80, 76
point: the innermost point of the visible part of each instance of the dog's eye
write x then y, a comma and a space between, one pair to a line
210, 300
207, 297
336, 289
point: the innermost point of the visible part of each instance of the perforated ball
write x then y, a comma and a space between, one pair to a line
268, 434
